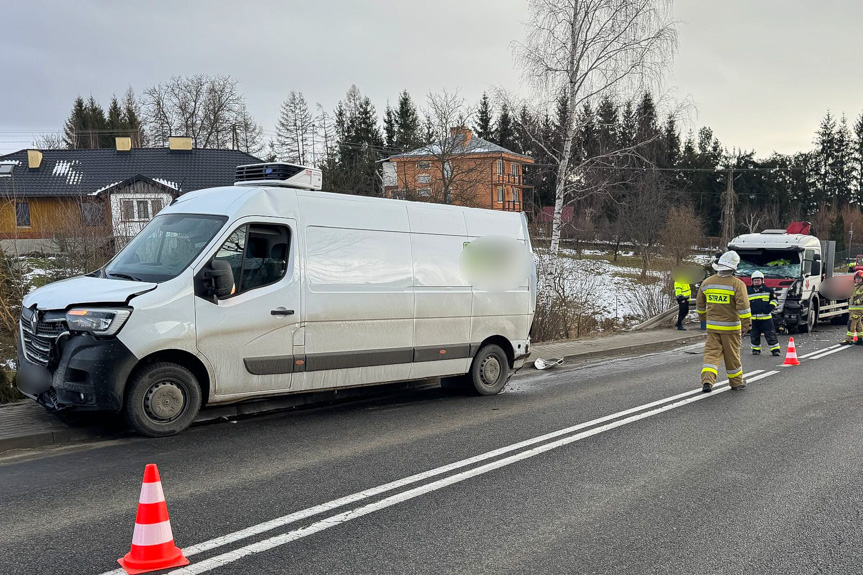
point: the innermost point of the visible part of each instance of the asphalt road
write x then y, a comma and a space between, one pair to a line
620, 467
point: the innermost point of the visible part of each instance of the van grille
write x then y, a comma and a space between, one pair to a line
258, 172
39, 345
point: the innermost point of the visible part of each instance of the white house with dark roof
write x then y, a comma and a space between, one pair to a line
109, 192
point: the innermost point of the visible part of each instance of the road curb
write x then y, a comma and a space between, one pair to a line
635, 349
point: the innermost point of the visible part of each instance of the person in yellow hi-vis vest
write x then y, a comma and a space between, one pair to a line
723, 308
682, 293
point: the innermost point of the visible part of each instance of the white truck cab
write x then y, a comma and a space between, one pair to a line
272, 287
794, 265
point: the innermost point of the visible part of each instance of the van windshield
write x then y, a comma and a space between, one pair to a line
772, 263
164, 248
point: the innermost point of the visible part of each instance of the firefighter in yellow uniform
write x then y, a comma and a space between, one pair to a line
855, 309
723, 308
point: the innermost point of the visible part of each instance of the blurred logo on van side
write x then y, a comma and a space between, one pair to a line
495, 263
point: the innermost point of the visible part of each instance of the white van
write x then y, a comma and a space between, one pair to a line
273, 287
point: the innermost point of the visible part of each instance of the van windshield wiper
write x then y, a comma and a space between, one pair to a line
123, 276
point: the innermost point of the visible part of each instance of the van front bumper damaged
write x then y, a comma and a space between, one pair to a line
84, 372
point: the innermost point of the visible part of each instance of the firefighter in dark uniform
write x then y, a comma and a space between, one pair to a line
762, 302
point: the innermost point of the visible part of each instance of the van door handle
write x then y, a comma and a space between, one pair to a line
282, 311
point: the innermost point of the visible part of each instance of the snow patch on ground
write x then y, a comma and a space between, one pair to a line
615, 296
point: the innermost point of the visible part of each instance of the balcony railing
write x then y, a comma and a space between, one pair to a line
512, 179
512, 206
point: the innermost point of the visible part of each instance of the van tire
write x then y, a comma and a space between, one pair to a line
162, 399
489, 371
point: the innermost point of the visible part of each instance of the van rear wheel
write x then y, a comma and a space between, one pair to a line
489, 371
162, 399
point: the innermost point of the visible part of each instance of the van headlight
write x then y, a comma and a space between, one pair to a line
98, 321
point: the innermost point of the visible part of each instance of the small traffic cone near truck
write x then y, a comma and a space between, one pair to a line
791, 354
153, 546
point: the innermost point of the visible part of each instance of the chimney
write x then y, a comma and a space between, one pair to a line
34, 159
123, 144
180, 143
461, 132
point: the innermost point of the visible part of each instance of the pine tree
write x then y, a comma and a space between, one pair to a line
294, 130
606, 125
525, 126
843, 164
407, 124
483, 125
647, 133
628, 127
825, 156
132, 114
116, 121
588, 144
96, 126
504, 133
359, 144
670, 143
857, 159
389, 128
73, 129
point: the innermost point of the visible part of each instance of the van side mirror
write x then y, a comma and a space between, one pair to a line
221, 278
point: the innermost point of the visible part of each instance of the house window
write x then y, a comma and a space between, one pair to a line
92, 214
424, 192
515, 196
156, 206
128, 210
143, 210
424, 179
22, 214
501, 194
500, 168
423, 165
513, 169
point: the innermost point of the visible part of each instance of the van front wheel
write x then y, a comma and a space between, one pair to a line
163, 399
489, 371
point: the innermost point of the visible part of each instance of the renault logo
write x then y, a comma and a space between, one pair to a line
34, 321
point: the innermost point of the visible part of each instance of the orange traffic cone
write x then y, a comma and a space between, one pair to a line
791, 354
855, 337
153, 542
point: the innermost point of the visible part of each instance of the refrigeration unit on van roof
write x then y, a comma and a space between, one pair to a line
279, 174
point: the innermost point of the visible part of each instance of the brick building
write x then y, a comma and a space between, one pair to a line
465, 170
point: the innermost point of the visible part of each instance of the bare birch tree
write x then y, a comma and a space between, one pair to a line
582, 50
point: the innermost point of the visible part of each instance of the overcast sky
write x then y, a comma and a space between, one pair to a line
761, 73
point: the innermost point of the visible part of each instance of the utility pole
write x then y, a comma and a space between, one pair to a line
728, 204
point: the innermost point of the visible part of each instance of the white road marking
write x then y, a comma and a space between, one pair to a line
361, 495
335, 520
810, 354
843, 348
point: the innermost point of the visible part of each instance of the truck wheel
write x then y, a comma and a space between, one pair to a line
162, 399
489, 371
811, 318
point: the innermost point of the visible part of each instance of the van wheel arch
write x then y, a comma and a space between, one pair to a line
503, 343
182, 358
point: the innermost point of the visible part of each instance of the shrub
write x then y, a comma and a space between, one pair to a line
8, 392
